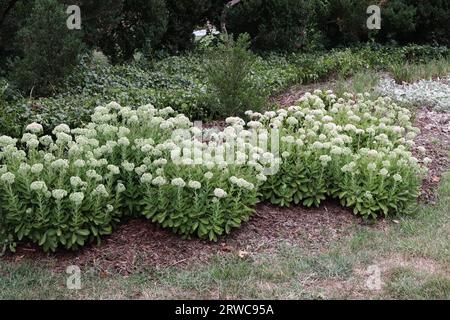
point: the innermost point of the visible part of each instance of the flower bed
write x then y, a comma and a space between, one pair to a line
71, 188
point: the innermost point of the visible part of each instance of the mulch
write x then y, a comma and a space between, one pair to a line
435, 137
138, 244
293, 94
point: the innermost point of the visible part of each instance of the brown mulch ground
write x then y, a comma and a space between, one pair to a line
293, 94
139, 244
435, 137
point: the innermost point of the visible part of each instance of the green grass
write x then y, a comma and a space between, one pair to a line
361, 82
405, 283
410, 72
412, 253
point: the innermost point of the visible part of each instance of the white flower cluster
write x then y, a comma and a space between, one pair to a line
347, 136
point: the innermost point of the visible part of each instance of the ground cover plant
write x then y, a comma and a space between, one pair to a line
434, 93
72, 190
151, 162
354, 149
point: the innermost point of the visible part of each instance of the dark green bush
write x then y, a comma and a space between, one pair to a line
12, 18
100, 19
230, 84
142, 26
48, 49
8, 114
279, 25
399, 20
342, 22
184, 17
432, 21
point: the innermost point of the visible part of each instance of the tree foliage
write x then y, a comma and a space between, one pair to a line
47, 49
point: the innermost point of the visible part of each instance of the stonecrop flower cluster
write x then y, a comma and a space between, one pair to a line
351, 148
71, 187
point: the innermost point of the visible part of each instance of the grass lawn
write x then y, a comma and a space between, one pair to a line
411, 253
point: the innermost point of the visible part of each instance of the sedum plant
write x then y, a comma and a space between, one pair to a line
72, 187
356, 150
69, 188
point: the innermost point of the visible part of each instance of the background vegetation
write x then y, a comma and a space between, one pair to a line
122, 28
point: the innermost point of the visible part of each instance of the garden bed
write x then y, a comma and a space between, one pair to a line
138, 244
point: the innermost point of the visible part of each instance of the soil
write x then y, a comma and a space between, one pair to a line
139, 244
292, 95
435, 137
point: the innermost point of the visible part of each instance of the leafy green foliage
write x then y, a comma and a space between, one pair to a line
229, 78
272, 24
142, 27
12, 17
70, 191
358, 152
48, 49
342, 22
8, 114
198, 212
181, 83
408, 72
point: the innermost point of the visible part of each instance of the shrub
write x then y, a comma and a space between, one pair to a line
12, 17
229, 78
141, 27
184, 17
279, 25
342, 22
399, 21
8, 115
432, 23
48, 49
100, 20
